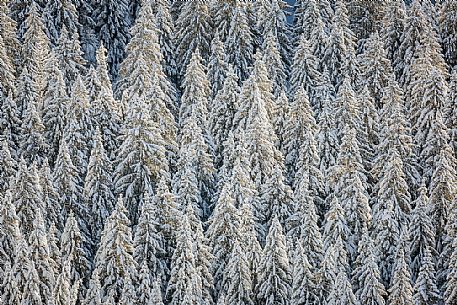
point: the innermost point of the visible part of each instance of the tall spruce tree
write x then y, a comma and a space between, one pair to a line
140, 158
9, 234
401, 290
114, 263
98, 187
237, 279
223, 231
422, 232
368, 286
240, 41
112, 24
148, 241
185, 284
193, 28
275, 277
304, 286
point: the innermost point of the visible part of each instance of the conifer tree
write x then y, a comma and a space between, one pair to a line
239, 43
140, 158
304, 286
114, 263
8, 165
276, 197
264, 158
203, 256
74, 253
31, 294
10, 39
68, 184
449, 112
336, 229
304, 69
33, 146
7, 80
168, 214
28, 92
365, 17
271, 17
223, 231
319, 38
39, 250
63, 292
195, 155
54, 249
193, 28
307, 16
386, 233
274, 278
185, 284
128, 295
393, 24
57, 14
341, 20
303, 224
69, 56
335, 261
335, 57
55, 107
400, 290
277, 70
148, 241
279, 115
217, 66
422, 231
106, 117
102, 70
223, 109
166, 27
27, 196
368, 286
93, 294
348, 182
426, 117
79, 130
10, 121
35, 46
327, 140
299, 136
9, 234
87, 28
146, 295
347, 109
442, 191
250, 242
369, 130
50, 197
237, 279
341, 291
98, 187
15, 279
394, 133
112, 24
142, 78
195, 97
448, 31
450, 293
393, 187
426, 291
375, 67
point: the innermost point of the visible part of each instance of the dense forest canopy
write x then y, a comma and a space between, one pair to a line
214, 152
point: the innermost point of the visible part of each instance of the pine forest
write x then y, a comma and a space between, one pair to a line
228, 152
